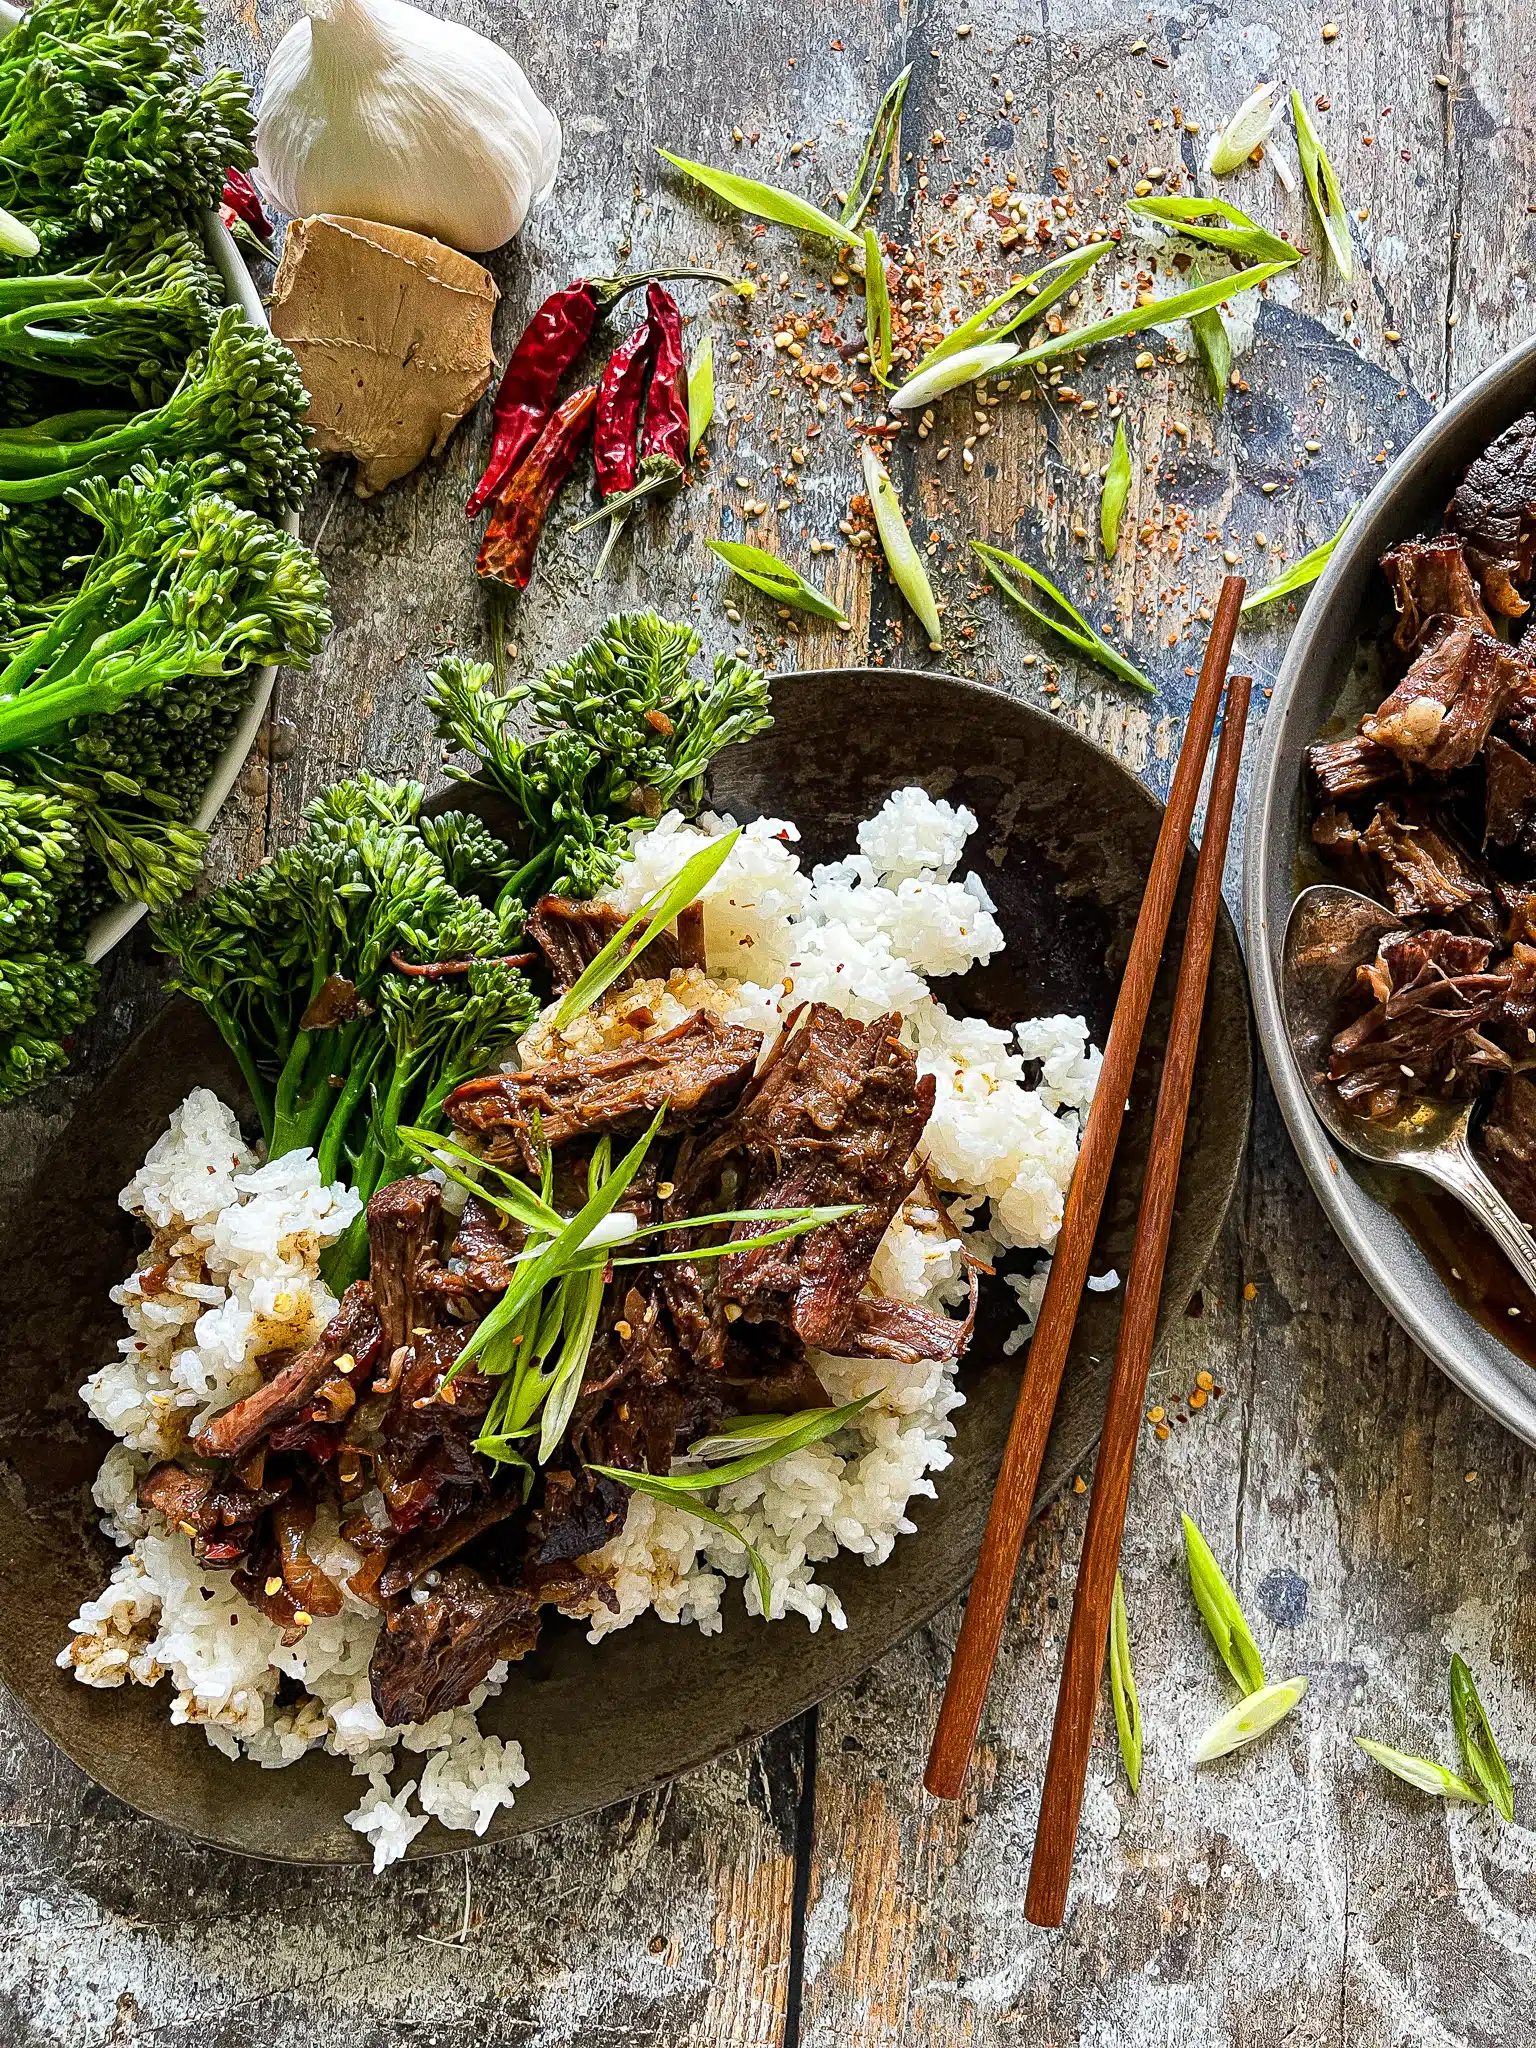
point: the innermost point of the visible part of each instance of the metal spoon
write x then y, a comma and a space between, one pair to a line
1330, 932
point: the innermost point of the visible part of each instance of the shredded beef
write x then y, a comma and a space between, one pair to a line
1511, 797
483, 1248
1348, 768
402, 1227
571, 935
1494, 512
1427, 872
353, 1332
1508, 1143
434, 1650
697, 1069
899, 1330
1431, 994
1445, 707
1429, 579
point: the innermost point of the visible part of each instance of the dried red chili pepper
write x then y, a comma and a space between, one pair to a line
664, 443
242, 198
551, 342
517, 519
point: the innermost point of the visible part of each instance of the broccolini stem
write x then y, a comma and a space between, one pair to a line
511, 891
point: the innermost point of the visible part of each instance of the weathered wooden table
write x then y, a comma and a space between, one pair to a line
805, 1890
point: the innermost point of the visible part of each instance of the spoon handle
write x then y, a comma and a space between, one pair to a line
1460, 1171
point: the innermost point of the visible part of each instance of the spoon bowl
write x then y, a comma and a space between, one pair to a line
1330, 934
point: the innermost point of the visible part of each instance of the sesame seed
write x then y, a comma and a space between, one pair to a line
302, 1618
273, 1585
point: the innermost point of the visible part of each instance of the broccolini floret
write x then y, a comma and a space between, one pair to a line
628, 728
239, 410
311, 967
105, 323
46, 988
183, 584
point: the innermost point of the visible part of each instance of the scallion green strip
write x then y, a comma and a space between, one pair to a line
1239, 234
1122, 1687
16, 238
1323, 190
1244, 132
1306, 569
877, 309
701, 393
997, 562
1479, 1749
775, 578
1419, 1772
1249, 1719
1063, 271
1179, 306
1221, 1614
647, 1482
878, 151
655, 914
949, 372
1213, 345
770, 202
809, 1426
901, 555
1117, 488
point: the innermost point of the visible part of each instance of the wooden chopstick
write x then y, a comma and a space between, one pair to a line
1083, 1665
954, 1736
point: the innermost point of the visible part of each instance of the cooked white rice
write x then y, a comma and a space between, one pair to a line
232, 1273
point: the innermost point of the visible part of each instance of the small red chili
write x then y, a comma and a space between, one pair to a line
663, 448
242, 199
551, 342
517, 519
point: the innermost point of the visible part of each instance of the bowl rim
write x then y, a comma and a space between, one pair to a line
1387, 515
114, 923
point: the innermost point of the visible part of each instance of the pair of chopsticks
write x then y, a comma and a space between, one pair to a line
960, 1714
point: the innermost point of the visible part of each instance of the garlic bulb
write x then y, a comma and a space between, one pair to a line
374, 109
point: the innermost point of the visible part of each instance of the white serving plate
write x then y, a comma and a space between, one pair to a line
115, 923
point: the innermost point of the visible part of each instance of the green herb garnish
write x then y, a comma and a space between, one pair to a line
655, 1486
1117, 488
1479, 1749
1122, 1687
1213, 345
901, 555
1179, 306
878, 151
770, 202
655, 914
1244, 132
701, 393
877, 309
1419, 1772
983, 327
1074, 628
1306, 569
1222, 1615
775, 578
948, 373
1249, 1719
781, 1436
1323, 190
1194, 215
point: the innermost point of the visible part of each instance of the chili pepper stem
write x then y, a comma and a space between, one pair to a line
607, 291
616, 526
662, 477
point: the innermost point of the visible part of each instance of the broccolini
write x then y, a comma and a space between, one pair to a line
46, 990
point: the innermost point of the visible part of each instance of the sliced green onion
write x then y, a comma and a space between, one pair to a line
1117, 488
1323, 190
1179, 306
1122, 1686
1479, 1749
1240, 235
649, 1482
1063, 271
901, 555
1244, 132
1213, 345
775, 578
701, 393
964, 366
515, 1198
795, 1432
1001, 567
1222, 1615
1250, 1719
655, 914
16, 238
770, 202
878, 151
1306, 569
877, 309
1420, 1772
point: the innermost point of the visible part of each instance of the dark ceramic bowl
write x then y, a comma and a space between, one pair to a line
1410, 1268
1065, 843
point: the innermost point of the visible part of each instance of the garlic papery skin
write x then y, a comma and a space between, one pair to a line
374, 109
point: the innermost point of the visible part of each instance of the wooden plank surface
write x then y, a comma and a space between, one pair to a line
805, 1891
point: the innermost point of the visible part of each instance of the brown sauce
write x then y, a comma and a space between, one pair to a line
1471, 1265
